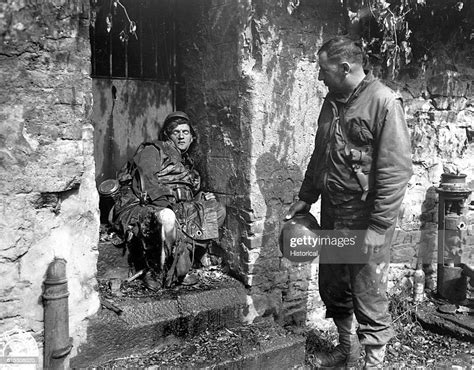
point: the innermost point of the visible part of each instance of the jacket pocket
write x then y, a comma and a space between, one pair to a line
358, 132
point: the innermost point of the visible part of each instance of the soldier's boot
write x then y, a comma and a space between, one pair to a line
347, 352
374, 355
151, 280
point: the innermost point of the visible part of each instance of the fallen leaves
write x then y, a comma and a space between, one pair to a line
412, 347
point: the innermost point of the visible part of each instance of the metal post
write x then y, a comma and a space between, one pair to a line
451, 209
57, 343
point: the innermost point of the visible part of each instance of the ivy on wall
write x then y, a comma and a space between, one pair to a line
397, 33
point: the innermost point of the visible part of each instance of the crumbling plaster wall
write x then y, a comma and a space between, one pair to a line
438, 94
280, 61
438, 137
250, 73
48, 198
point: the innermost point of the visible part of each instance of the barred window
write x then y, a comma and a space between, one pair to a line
133, 39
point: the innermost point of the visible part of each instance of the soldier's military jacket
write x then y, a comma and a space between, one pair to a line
160, 176
371, 125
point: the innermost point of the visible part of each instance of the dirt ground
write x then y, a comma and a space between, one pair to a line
413, 345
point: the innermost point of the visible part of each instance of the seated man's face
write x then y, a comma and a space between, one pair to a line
182, 137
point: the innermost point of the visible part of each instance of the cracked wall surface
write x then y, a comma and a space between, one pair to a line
250, 72
48, 198
250, 76
438, 97
126, 113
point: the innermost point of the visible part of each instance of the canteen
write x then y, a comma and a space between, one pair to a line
108, 189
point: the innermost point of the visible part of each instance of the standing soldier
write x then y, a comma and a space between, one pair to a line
360, 167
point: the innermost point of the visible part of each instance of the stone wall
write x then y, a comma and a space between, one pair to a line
48, 199
250, 80
250, 73
280, 61
209, 55
439, 103
125, 113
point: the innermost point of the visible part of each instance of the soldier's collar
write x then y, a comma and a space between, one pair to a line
338, 98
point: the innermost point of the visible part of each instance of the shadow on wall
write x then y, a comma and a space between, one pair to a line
287, 98
291, 71
125, 113
281, 289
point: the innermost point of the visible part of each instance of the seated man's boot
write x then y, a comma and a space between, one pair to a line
151, 281
374, 356
347, 352
152, 278
190, 279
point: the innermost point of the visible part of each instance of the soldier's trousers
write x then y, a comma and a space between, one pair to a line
351, 281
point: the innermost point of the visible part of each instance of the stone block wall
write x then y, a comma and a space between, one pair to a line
439, 105
250, 76
249, 71
208, 35
48, 198
280, 61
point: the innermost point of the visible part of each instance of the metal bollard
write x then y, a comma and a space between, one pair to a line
57, 343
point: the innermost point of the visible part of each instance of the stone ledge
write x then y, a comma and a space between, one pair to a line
262, 345
151, 321
459, 326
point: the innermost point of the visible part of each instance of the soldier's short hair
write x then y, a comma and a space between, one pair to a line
172, 121
343, 48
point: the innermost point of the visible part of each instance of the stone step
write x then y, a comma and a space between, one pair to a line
135, 324
113, 261
261, 345
134, 319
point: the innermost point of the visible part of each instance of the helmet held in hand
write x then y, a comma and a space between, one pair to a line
298, 238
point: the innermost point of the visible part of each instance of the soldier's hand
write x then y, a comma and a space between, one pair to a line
298, 207
373, 242
209, 196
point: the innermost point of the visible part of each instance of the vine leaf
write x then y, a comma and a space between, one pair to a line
108, 22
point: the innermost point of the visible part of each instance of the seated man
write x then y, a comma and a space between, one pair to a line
161, 212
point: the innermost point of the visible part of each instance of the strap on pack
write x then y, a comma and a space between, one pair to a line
356, 157
179, 250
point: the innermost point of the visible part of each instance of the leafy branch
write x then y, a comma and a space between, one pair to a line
132, 26
387, 27
389, 42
